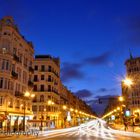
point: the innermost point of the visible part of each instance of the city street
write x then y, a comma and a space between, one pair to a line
97, 130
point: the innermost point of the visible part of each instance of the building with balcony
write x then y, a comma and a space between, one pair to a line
46, 90
16, 60
132, 93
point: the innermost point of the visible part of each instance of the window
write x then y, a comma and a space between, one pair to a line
3, 64
41, 108
42, 77
49, 68
35, 87
36, 67
42, 87
35, 78
20, 58
34, 108
14, 51
5, 85
42, 68
41, 98
49, 78
49, 87
24, 77
1, 100
1, 82
7, 65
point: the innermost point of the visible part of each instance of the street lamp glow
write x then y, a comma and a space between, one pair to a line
118, 108
32, 95
123, 105
121, 99
27, 94
115, 110
71, 109
128, 82
49, 102
64, 107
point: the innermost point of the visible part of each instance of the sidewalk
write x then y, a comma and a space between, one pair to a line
121, 127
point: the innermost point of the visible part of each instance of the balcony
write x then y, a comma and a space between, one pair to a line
30, 84
31, 70
14, 75
16, 58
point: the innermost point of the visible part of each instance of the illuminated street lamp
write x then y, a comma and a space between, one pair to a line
71, 109
27, 94
118, 108
128, 82
64, 107
121, 99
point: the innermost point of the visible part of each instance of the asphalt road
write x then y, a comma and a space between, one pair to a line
94, 130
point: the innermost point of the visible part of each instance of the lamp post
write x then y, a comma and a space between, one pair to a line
127, 82
26, 95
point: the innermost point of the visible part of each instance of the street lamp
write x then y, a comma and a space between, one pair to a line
27, 94
128, 82
64, 107
121, 99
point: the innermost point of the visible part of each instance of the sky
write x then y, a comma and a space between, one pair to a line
92, 38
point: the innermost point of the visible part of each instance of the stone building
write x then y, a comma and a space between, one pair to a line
132, 93
22, 76
16, 60
46, 90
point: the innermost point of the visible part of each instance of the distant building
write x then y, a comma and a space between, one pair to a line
16, 60
113, 103
132, 93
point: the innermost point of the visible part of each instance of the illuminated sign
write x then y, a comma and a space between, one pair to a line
127, 113
112, 117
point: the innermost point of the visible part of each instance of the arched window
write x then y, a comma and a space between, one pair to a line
41, 98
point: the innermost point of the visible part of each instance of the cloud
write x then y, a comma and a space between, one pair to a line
105, 96
98, 60
103, 90
71, 71
84, 93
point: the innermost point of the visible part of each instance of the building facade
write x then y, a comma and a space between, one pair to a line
54, 105
22, 75
46, 90
132, 93
16, 60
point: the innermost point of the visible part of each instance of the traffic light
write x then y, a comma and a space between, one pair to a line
100, 102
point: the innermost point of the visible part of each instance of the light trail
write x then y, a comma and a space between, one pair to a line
96, 128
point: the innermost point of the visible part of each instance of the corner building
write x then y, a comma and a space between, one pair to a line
16, 60
132, 94
46, 90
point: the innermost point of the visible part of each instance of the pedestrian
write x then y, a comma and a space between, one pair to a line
125, 125
133, 126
